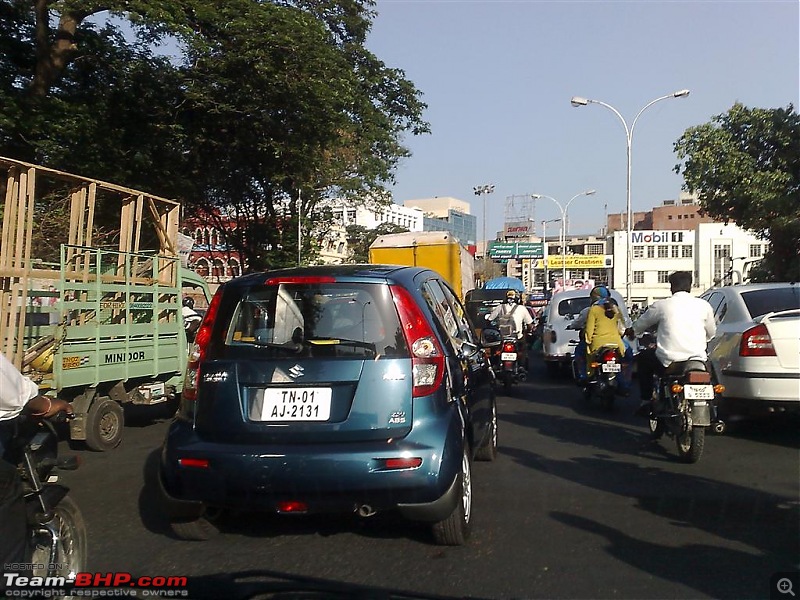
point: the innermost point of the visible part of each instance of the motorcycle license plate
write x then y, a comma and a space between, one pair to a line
508, 356
611, 367
698, 392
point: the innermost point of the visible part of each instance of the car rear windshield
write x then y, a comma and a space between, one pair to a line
761, 302
573, 306
332, 320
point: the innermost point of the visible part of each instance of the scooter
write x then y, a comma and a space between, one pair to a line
56, 545
685, 407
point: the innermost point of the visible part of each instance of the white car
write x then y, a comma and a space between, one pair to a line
756, 352
558, 341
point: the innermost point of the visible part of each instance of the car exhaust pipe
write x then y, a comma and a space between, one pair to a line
365, 510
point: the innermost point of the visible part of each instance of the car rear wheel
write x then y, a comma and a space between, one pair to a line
455, 529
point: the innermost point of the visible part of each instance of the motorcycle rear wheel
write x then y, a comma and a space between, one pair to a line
691, 443
71, 555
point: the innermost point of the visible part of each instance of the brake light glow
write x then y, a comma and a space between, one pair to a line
509, 348
300, 279
756, 341
609, 355
427, 358
292, 506
198, 351
402, 463
197, 463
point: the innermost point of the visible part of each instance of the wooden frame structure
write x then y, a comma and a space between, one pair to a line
19, 267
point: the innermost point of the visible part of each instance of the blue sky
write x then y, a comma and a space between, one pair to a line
498, 77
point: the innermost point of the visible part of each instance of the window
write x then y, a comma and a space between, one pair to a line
638, 277
638, 252
686, 251
595, 249
722, 261
663, 277
755, 250
669, 217
676, 251
663, 251
651, 251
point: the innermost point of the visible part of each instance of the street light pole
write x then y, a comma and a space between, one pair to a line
482, 190
544, 254
562, 234
578, 101
299, 229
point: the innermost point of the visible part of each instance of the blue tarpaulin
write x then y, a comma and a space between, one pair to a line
505, 283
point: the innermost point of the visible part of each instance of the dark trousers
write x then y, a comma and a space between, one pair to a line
12, 505
648, 367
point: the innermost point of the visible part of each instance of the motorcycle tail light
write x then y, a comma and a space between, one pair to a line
676, 388
508, 348
719, 388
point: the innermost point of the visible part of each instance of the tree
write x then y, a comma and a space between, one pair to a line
745, 167
359, 239
486, 269
272, 106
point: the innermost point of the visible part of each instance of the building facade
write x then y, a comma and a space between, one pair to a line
448, 214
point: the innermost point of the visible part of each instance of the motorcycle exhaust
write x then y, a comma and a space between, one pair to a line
522, 375
365, 510
719, 427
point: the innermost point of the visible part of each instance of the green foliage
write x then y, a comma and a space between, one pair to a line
359, 239
269, 102
745, 167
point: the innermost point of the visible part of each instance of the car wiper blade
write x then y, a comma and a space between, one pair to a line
330, 341
291, 346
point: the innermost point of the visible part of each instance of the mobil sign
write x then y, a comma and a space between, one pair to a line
662, 237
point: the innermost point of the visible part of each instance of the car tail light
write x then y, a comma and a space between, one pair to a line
198, 351
509, 348
427, 358
756, 341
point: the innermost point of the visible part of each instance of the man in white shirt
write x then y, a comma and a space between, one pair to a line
685, 325
17, 394
522, 320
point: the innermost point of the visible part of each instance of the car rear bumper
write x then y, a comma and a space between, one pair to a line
327, 478
751, 393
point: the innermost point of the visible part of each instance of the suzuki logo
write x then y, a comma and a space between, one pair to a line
296, 371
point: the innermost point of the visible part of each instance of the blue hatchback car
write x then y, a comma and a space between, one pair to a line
357, 388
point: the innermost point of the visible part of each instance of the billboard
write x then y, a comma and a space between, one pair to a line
518, 229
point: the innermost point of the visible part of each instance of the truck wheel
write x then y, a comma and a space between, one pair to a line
104, 423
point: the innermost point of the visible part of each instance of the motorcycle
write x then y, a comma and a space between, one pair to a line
56, 544
603, 383
504, 356
685, 407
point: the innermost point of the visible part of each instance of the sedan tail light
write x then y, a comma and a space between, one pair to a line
427, 358
199, 348
756, 341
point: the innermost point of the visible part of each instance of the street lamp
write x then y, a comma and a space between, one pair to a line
578, 101
482, 190
562, 234
544, 253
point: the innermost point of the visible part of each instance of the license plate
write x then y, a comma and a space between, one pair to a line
611, 367
296, 404
508, 356
698, 392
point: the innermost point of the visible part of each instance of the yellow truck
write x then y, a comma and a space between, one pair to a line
436, 250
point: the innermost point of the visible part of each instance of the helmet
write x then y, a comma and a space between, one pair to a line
599, 292
512, 296
188, 302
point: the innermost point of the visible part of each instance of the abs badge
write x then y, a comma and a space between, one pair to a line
398, 417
